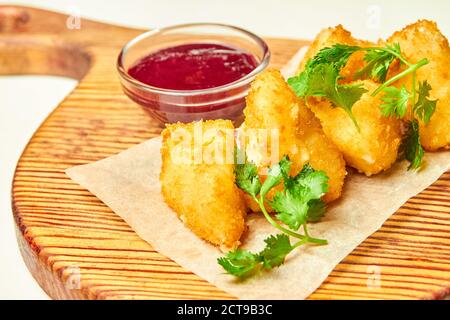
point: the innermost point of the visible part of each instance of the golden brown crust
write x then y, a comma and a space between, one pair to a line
203, 195
323, 153
372, 149
271, 104
331, 36
423, 39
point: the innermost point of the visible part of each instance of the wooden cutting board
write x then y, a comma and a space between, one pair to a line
77, 248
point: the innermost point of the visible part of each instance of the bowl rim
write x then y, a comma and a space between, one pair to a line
232, 85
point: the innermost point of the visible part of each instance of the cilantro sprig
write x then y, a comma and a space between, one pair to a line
395, 102
411, 149
378, 61
298, 203
321, 79
243, 263
424, 107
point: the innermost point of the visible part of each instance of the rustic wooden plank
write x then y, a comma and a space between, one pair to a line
62, 229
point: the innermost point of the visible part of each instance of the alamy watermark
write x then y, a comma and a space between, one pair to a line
373, 21
73, 21
217, 145
374, 277
73, 279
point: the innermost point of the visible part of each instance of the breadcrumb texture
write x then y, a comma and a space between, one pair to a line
424, 40
271, 104
374, 148
331, 36
204, 195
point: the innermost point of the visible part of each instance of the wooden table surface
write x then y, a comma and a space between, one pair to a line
77, 248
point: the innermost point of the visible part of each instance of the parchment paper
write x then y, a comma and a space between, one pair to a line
129, 184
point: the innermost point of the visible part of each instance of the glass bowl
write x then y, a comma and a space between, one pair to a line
166, 105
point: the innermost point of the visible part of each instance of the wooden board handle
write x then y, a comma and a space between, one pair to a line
35, 41
13, 18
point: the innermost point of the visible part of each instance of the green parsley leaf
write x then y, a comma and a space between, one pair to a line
411, 149
337, 55
314, 183
424, 107
292, 209
275, 175
316, 210
243, 263
276, 250
395, 102
299, 83
246, 177
293, 205
321, 80
347, 96
240, 263
300, 202
317, 207
285, 166
378, 62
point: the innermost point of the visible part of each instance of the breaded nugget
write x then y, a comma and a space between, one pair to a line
331, 36
424, 40
372, 149
323, 153
272, 105
197, 178
375, 147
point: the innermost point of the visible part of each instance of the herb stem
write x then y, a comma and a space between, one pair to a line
305, 238
399, 56
311, 239
305, 228
410, 69
260, 202
413, 88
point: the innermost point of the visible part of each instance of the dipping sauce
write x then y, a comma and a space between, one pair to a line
193, 66
192, 71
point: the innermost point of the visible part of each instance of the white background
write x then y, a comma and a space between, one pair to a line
26, 100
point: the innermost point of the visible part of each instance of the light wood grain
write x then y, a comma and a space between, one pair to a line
63, 229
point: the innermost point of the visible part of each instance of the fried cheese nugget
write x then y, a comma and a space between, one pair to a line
424, 40
323, 153
197, 178
331, 36
372, 149
375, 147
272, 105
